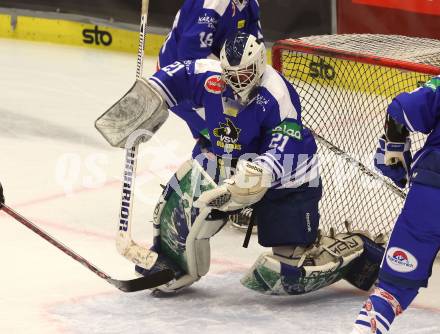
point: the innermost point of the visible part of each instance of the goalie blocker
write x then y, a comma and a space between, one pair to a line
137, 115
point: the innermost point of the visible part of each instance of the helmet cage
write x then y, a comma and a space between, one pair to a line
241, 79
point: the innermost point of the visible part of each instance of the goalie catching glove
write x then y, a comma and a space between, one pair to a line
246, 187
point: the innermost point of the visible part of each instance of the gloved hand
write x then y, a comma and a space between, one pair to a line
246, 187
393, 160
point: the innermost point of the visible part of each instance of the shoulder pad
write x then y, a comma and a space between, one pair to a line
278, 90
207, 65
219, 6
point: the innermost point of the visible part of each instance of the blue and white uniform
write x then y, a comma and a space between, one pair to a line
415, 240
267, 130
418, 111
201, 27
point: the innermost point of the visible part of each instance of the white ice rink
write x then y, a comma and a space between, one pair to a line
59, 172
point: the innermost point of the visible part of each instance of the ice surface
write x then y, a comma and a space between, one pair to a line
59, 172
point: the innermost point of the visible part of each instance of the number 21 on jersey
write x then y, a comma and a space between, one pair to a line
279, 141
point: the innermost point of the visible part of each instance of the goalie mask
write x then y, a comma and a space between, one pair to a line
243, 61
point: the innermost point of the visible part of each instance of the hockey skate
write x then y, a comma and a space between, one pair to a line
242, 219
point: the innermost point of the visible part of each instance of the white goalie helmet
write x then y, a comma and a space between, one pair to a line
243, 61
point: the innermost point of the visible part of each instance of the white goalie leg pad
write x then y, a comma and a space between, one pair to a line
135, 117
198, 252
300, 270
197, 244
195, 251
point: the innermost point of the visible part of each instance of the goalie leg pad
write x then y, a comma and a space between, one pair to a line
182, 232
364, 271
309, 269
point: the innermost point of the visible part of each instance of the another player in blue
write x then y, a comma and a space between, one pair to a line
257, 153
201, 27
199, 31
415, 240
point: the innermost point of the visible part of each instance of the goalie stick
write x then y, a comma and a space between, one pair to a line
142, 283
359, 165
124, 241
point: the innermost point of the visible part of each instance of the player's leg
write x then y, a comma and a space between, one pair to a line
407, 263
301, 261
242, 219
182, 232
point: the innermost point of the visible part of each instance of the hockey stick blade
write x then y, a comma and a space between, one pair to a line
142, 283
137, 284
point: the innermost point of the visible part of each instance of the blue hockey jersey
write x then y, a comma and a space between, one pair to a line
268, 129
420, 111
201, 27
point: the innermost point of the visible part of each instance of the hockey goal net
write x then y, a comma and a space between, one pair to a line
345, 83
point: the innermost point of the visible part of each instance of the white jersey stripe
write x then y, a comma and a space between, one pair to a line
276, 86
407, 121
270, 165
277, 163
166, 94
219, 6
207, 65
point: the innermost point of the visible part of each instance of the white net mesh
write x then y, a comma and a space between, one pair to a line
412, 49
344, 101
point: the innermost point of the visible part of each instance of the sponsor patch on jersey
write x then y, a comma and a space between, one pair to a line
401, 260
210, 21
214, 84
231, 112
241, 24
290, 129
434, 83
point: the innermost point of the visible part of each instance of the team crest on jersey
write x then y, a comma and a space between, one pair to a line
401, 260
214, 84
241, 24
228, 135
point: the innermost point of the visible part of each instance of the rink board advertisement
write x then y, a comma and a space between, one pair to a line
279, 18
418, 18
75, 33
